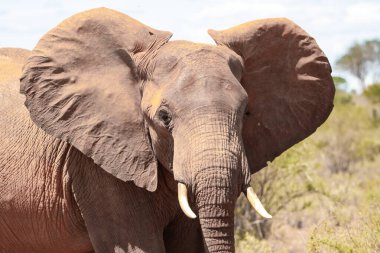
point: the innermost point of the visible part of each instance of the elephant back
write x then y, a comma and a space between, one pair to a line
11, 62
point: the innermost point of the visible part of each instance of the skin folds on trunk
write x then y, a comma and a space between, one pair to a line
215, 201
214, 164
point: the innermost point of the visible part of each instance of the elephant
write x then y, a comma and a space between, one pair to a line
116, 139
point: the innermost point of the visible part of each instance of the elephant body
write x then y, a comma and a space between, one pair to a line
113, 117
38, 211
45, 191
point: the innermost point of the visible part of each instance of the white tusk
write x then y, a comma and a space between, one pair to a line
255, 202
183, 202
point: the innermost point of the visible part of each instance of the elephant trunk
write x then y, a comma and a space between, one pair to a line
215, 198
213, 163
217, 182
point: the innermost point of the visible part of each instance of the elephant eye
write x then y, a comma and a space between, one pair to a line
165, 117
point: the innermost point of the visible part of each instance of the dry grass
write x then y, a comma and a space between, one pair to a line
324, 192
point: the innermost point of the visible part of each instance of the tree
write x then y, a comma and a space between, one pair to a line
361, 60
340, 83
342, 97
281, 183
372, 92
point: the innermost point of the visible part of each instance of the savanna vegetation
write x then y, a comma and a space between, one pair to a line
324, 193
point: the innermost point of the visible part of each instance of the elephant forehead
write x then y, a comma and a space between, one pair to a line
183, 60
194, 55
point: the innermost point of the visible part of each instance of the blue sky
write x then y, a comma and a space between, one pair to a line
334, 24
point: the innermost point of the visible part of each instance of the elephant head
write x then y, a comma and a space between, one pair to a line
125, 96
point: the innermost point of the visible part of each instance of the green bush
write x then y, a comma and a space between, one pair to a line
326, 188
353, 229
372, 92
248, 243
342, 98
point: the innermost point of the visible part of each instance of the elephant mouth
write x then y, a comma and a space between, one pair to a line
249, 193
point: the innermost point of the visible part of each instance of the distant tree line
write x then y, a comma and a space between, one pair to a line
363, 61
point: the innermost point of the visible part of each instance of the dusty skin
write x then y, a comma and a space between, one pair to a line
112, 116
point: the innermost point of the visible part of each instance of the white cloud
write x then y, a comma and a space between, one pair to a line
230, 9
363, 13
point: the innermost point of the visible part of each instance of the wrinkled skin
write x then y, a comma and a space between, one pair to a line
116, 115
43, 180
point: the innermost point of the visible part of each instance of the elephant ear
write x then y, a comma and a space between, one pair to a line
288, 81
82, 85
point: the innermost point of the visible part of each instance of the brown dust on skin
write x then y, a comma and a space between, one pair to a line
116, 115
